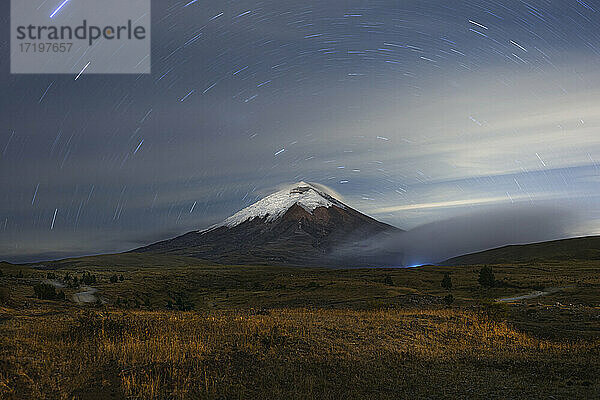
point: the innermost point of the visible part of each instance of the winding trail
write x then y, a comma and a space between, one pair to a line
532, 295
54, 283
87, 296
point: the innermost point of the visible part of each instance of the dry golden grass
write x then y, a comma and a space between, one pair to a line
47, 353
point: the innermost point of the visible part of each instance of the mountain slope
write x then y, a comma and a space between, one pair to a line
300, 225
576, 249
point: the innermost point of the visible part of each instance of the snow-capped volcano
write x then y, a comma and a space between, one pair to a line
272, 207
303, 224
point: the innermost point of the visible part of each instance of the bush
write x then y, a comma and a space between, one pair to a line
114, 278
45, 291
180, 302
121, 278
449, 299
497, 311
388, 280
486, 277
88, 279
447, 281
4, 295
50, 275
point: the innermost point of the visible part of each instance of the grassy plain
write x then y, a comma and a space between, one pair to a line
269, 333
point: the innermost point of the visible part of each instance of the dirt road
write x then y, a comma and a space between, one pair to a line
86, 296
532, 295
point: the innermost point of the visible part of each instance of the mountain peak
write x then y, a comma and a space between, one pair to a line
301, 224
306, 195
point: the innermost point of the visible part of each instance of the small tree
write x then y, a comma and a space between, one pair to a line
20, 274
388, 280
113, 278
486, 277
447, 281
121, 278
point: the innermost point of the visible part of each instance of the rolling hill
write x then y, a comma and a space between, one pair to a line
564, 250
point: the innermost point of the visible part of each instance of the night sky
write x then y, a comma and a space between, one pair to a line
415, 112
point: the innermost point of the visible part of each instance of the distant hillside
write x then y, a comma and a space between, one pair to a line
576, 249
122, 260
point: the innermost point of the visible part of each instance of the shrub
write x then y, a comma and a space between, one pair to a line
180, 302
88, 279
4, 295
51, 275
388, 280
312, 285
449, 299
486, 277
45, 291
497, 311
114, 278
376, 305
121, 278
447, 281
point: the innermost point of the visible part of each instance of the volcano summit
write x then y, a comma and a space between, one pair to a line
302, 224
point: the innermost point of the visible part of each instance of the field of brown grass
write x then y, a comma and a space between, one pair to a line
285, 333
285, 353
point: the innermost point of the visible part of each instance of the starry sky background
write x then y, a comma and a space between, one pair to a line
415, 112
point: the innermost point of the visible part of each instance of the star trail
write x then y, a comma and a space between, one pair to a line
413, 111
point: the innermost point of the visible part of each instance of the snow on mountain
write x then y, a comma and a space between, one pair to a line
275, 205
